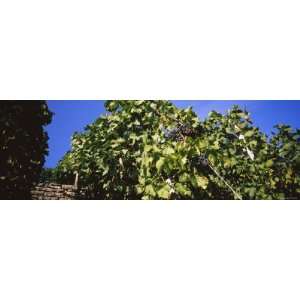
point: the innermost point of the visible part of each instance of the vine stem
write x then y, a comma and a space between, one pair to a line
227, 184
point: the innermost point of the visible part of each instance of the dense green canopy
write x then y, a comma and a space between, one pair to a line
23, 145
153, 150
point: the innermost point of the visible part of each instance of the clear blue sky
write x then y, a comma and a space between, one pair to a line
71, 116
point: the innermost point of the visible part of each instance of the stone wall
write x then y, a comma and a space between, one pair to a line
53, 191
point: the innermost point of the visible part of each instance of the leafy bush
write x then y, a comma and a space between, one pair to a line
23, 145
62, 174
47, 175
153, 150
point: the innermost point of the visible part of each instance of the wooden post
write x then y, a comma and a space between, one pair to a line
76, 180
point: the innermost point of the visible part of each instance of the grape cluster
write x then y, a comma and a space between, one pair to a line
187, 131
171, 134
178, 133
199, 161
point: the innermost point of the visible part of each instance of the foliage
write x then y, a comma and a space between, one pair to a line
153, 150
62, 174
47, 175
285, 154
23, 145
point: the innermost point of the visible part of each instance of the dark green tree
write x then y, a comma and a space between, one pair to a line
23, 146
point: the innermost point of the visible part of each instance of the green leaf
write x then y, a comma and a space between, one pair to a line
183, 161
202, 181
228, 130
227, 162
185, 177
148, 148
242, 115
252, 192
269, 163
112, 105
249, 133
147, 160
156, 137
117, 142
168, 150
153, 106
202, 144
183, 190
159, 164
106, 169
164, 192
124, 151
231, 151
215, 145
133, 136
253, 143
150, 190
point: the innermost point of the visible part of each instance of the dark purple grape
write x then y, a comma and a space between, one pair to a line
182, 130
199, 161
